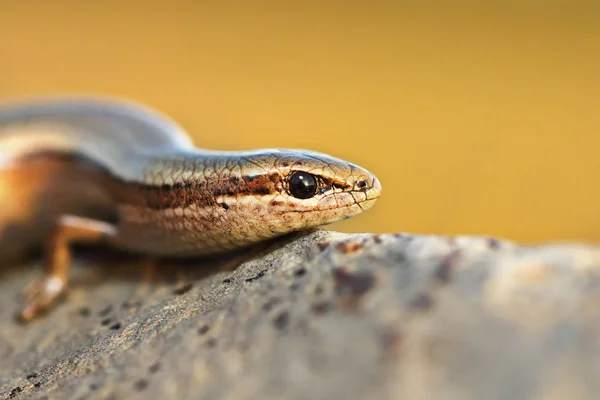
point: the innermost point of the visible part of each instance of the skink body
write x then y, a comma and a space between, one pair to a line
98, 169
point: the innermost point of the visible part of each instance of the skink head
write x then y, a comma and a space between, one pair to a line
215, 201
300, 189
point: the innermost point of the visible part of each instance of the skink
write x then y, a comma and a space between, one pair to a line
87, 169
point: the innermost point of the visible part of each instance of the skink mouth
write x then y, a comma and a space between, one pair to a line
374, 190
370, 193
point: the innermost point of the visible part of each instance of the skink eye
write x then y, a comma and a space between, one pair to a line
303, 185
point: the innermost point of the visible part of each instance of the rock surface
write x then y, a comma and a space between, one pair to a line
322, 316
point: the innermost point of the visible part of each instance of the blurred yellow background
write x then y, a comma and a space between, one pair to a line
478, 119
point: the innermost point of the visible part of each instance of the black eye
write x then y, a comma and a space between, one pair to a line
303, 185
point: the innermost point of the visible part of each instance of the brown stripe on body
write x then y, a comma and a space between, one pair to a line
202, 191
199, 192
205, 193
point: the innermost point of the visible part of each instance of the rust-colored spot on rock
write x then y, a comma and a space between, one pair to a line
323, 245
348, 248
443, 273
352, 286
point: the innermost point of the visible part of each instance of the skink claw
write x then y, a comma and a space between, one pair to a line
41, 295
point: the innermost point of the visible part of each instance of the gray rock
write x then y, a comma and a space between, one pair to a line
321, 316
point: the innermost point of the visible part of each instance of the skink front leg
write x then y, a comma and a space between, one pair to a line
43, 294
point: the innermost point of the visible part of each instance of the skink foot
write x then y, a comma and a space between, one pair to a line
42, 295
